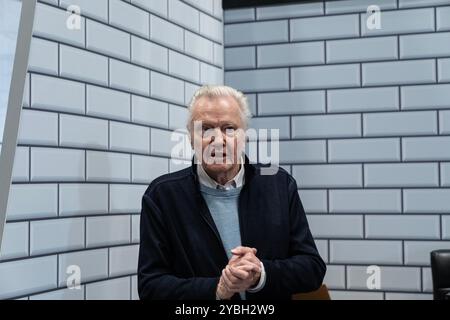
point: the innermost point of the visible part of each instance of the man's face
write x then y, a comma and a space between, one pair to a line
218, 136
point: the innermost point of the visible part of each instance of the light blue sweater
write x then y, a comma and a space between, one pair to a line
223, 205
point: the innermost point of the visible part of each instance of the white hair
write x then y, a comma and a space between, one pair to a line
215, 91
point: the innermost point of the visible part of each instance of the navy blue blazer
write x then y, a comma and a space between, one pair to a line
181, 255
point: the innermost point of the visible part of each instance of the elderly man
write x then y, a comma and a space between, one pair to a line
221, 229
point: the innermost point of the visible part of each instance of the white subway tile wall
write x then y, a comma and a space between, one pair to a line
100, 103
364, 129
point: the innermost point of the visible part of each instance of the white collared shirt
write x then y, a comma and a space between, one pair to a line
237, 182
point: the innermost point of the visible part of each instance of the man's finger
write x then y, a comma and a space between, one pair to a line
245, 261
248, 255
227, 282
234, 258
243, 250
255, 264
234, 280
240, 273
246, 267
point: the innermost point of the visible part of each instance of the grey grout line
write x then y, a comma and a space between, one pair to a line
109, 136
85, 232
59, 129
354, 37
359, 24
86, 30
131, 228
85, 96
360, 75
358, 63
93, 248
435, 18
29, 239
57, 269
360, 188
256, 59
328, 250
247, 91
146, 11
439, 164
167, 8
29, 165
345, 277
322, 15
109, 72
131, 107
131, 169
128, 60
349, 87
109, 198
436, 63
401, 149
364, 226
108, 262
114, 88
291, 128
59, 58
398, 48
131, 288
376, 291
201, 10
362, 176
85, 166
289, 29
421, 279
58, 205
81, 215
83, 284
403, 252
108, 11
362, 125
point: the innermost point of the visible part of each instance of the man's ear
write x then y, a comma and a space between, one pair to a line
191, 139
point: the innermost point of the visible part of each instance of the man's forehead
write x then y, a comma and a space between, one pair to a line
217, 109
219, 103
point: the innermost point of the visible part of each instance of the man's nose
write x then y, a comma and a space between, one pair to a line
217, 138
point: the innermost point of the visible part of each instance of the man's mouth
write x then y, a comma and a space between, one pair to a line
218, 157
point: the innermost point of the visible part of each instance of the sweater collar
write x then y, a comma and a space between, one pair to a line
236, 182
249, 170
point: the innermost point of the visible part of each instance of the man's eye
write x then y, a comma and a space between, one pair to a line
229, 130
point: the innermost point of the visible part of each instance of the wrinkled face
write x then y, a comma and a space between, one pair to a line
217, 134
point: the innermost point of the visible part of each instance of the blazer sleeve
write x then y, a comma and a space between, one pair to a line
304, 269
155, 275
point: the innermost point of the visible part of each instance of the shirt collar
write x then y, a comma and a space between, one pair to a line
236, 182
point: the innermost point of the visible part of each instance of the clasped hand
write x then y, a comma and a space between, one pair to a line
242, 272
